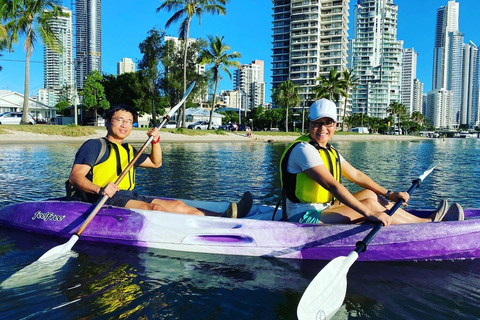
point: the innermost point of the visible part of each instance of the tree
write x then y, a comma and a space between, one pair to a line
32, 19
330, 87
125, 89
418, 117
93, 94
217, 54
286, 95
349, 81
171, 84
186, 9
149, 72
397, 109
273, 115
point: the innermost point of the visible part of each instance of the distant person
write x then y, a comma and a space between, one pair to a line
248, 132
93, 173
310, 172
235, 127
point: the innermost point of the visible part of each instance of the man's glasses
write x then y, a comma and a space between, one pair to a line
319, 124
124, 121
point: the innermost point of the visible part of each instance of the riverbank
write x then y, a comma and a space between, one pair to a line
12, 137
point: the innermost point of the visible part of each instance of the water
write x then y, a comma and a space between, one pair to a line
111, 282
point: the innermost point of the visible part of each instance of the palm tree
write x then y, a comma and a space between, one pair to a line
330, 87
349, 81
418, 117
286, 95
32, 19
397, 109
216, 54
186, 9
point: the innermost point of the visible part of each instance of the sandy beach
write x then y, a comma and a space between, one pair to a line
140, 136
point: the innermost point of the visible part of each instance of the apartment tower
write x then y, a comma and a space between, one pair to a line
124, 66
248, 80
88, 28
376, 57
409, 74
309, 39
58, 66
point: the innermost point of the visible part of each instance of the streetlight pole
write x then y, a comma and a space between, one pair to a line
75, 91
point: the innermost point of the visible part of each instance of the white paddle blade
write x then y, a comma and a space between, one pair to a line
59, 251
325, 294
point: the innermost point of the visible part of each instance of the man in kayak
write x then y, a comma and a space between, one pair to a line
310, 172
98, 163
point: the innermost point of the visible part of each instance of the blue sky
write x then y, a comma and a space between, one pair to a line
246, 28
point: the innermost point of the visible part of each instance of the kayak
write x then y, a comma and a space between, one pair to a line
255, 235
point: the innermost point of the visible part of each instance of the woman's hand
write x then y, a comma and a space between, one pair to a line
396, 196
380, 216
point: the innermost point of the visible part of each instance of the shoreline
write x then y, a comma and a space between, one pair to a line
14, 137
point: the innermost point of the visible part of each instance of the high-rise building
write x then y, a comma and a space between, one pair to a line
439, 102
248, 80
309, 39
58, 65
88, 28
409, 75
418, 96
124, 66
376, 57
469, 108
447, 21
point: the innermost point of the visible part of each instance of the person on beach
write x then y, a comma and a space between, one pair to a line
99, 163
310, 171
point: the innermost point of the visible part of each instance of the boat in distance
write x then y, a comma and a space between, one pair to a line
255, 235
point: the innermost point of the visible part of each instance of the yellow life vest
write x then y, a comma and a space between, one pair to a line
109, 170
300, 187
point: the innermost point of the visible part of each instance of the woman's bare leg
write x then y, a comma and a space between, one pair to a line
344, 214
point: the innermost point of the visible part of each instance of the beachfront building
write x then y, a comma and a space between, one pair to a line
418, 96
124, 66
409, 74
12, 101
58, 66
248, 81
309, 39
376, 57
88, 28
439, 104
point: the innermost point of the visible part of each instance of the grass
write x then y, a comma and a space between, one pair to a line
67, 131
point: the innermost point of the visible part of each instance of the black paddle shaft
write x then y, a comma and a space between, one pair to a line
361, 246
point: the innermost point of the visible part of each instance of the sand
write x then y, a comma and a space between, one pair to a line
140, 136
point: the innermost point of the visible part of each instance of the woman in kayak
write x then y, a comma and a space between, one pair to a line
98, 163
310, 172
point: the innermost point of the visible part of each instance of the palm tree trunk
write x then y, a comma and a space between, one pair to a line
286, 118
184, 124
213, 104
344, 112
25, 119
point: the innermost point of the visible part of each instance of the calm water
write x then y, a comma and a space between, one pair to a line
111, 282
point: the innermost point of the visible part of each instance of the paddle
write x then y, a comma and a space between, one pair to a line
60, 250
325, 294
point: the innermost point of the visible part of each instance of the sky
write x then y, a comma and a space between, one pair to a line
246, 29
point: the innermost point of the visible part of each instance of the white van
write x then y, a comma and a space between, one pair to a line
359, 130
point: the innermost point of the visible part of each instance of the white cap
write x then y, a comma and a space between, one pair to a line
322, 108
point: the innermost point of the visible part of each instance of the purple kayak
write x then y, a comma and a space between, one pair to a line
256, 235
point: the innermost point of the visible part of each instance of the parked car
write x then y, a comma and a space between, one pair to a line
201, 125
172, 124
14, 118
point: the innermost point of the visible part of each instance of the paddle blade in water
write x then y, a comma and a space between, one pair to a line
325, 294
59, 251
